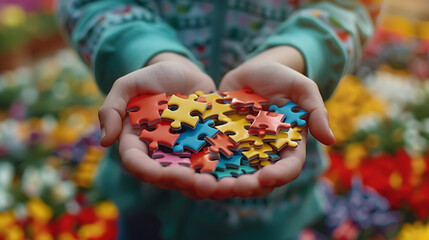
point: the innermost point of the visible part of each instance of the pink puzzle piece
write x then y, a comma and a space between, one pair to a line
168, 159
146, 109
266, 122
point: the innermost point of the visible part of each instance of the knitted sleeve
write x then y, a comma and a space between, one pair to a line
116, 37
330, 35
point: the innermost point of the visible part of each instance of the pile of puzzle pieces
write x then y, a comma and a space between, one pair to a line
226, 134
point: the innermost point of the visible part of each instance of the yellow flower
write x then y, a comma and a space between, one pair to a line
44, 236
12, 16
354, 153
415, 231
66, 236
39, 211
14, 233
106, 210
7, 219
350, 101
92, 230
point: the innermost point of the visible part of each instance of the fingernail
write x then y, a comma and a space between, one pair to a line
103, 133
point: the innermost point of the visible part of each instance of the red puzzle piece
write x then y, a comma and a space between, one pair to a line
146, 109
244, 98
202, 161
269, 122
161, 135
221, 143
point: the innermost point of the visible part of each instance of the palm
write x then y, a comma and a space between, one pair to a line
134, 153
284, 84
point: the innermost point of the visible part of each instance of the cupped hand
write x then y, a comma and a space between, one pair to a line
166, 73
268, 76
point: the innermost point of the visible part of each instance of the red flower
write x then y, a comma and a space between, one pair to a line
87, 216
419, 201
390, 176
338, 172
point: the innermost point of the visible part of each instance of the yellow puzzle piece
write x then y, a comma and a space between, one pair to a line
217, 110
258, 142
261, 153
237, 127
183, 112
288, 138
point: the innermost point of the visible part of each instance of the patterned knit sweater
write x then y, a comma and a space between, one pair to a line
116, 37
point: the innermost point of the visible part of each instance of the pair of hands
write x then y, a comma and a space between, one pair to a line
274, 74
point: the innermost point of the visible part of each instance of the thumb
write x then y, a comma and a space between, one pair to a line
113, 111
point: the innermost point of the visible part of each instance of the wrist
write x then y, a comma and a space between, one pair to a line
171, 56
285, 55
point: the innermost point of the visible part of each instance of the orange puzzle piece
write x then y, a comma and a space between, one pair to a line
201, 160
244, 98
161, 135
146, 109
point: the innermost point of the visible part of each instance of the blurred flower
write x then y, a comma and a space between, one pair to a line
350, 101
390, 176
415, 231
361, 208
39, 211
36, 179
338, 172
12, 16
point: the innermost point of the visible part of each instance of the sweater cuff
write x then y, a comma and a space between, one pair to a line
129, 47
325, 59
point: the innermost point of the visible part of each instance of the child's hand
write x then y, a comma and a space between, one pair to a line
166, 73
274, 75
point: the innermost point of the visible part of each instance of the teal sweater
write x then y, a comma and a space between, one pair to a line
115, 37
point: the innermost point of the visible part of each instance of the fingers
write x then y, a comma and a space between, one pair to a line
288, 168
168, 77
113, 110
285, 84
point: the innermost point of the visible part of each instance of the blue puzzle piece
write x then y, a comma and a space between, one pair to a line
247, 169
232, 162
229, 172
273, 157
290, 116
190, 139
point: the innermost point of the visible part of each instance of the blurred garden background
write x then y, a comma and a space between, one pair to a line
377, 181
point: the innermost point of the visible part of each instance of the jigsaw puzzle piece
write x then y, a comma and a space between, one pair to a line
201, 160
192, 138
245, 97
146, 109
274, 157
221, 143
237, 129
260, 163
180, 111
217, 109
247, 169
261, 153
288, 138
266, 122
258, 142
230, 172
161, 135
232, 162
291, 112
167, 159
